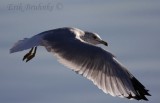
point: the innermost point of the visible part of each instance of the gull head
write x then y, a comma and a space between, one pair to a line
93, 38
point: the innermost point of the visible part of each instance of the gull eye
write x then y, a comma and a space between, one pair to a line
94, 37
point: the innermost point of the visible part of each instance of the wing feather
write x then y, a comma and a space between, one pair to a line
96, 64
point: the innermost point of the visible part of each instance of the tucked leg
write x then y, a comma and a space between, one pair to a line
30, 55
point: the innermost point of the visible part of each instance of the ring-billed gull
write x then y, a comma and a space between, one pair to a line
77, 50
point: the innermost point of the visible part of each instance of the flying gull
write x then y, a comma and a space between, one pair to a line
78, 50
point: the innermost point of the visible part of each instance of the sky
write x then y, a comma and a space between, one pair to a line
132, 29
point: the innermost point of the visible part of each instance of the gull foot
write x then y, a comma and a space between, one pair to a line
30, 55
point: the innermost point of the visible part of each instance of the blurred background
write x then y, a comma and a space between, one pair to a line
132, 29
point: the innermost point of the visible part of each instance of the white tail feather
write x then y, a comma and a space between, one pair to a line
26, 43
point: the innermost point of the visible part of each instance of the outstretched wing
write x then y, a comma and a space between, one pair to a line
97, 65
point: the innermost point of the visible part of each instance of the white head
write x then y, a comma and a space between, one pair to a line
93, 38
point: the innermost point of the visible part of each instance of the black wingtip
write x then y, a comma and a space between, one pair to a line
141, 92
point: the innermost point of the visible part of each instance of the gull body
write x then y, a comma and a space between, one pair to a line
78, 50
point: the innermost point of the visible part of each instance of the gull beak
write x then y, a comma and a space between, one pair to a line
104, 42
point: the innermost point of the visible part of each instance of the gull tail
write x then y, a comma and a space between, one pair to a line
26, 43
